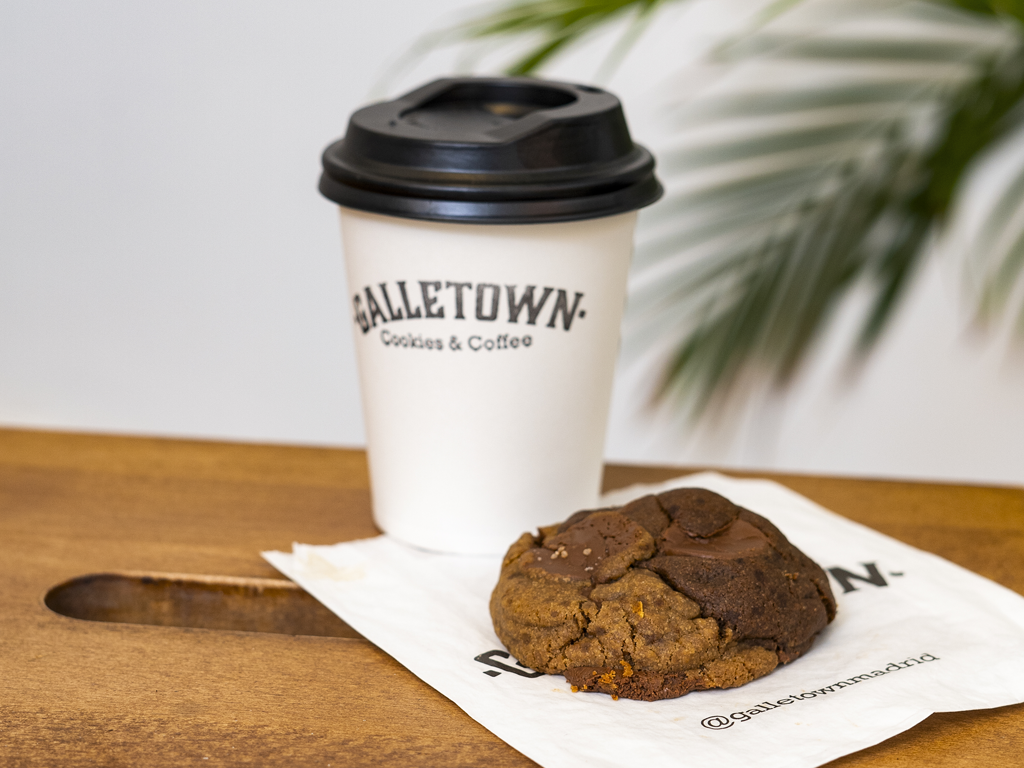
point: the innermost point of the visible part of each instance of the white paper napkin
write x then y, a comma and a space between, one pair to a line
915, 634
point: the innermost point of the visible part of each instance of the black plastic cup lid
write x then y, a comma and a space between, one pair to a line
510, 150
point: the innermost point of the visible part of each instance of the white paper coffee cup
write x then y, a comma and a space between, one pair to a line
486, 357
487, 270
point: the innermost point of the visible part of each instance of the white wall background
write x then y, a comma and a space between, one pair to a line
168, 267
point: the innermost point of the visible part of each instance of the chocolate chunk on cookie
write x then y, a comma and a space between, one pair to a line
669, 594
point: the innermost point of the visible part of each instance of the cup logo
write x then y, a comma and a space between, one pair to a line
392, 302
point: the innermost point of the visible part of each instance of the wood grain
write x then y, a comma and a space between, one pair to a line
76, 692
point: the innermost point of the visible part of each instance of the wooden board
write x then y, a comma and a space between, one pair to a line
82, 692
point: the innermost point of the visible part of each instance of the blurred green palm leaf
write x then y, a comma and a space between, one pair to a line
552, 25
830, 161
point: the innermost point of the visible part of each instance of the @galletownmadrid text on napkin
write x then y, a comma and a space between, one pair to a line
915, 634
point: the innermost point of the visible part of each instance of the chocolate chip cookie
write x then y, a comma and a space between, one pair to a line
669, 594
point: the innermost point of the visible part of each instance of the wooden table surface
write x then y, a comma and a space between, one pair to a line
75, 691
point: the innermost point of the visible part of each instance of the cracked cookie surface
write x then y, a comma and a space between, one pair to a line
669, 594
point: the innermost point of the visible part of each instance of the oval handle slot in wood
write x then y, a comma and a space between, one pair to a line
203, 602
